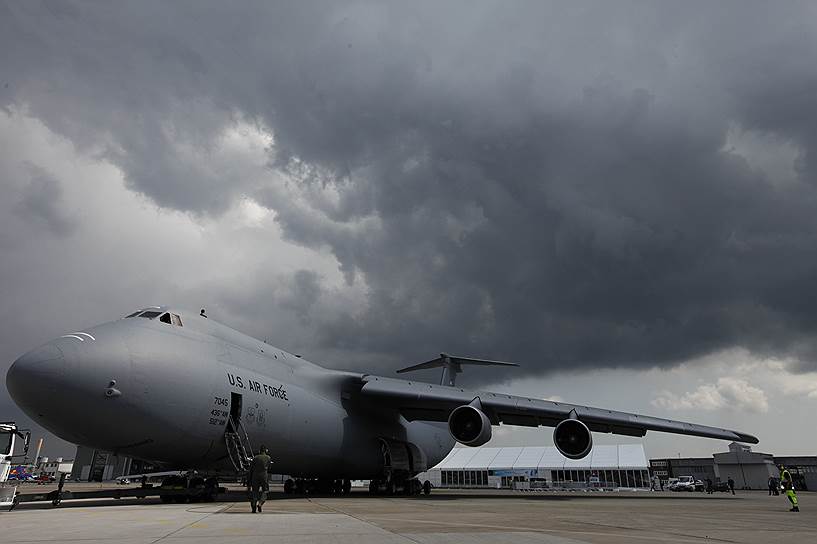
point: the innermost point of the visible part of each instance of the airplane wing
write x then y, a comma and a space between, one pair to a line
429, 402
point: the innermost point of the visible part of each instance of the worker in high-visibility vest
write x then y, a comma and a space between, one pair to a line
787, 485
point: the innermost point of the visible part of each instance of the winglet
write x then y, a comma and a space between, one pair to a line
452, 366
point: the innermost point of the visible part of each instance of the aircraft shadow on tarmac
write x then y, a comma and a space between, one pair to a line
237, 497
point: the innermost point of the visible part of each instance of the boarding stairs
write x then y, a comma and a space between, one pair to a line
238, 446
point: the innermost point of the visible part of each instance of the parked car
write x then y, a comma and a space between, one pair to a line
684, 483
44, 479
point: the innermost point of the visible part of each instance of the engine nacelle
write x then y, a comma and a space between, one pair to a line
469, 425
573, 439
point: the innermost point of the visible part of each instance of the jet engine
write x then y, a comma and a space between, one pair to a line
572, 439
469, 425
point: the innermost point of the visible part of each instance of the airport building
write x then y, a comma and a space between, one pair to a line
803, 469
91, 465
699, 467
53, 468
607, 467
749, 469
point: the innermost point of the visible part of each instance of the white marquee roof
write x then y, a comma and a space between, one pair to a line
546, 457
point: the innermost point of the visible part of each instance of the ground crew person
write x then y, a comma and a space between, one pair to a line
774, 487
257, 479
787, 484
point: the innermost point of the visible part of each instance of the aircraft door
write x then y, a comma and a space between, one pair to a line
235, 408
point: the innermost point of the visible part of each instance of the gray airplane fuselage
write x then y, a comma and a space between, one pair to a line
163, 392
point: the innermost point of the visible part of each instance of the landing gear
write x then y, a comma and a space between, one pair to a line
193, 488
210, 490
322, 486
173, 484
399, 486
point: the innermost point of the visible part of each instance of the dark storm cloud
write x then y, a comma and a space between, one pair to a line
551, 184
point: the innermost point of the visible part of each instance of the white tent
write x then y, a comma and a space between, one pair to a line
622, 465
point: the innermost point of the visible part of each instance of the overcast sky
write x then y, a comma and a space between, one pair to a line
620, 196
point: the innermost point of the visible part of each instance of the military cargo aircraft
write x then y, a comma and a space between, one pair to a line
180, 389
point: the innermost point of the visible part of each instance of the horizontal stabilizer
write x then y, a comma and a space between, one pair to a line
451, 366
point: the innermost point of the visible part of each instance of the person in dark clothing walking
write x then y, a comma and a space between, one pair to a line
257, 479
731, 483
773, 486
709, 488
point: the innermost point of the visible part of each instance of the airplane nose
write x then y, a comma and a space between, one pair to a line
34, 378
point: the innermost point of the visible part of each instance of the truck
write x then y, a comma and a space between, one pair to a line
10, 433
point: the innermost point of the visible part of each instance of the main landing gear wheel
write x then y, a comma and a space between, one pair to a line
196, 488
169, 483
412, 487
210, 490
347, 487
289, 486
426, 488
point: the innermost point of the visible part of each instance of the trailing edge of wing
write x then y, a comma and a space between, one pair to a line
429, 402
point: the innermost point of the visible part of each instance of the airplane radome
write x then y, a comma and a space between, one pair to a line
180, 389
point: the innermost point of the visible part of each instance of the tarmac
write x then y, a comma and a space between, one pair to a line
445, 516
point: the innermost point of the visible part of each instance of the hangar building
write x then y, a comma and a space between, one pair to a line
749, 469
607, 466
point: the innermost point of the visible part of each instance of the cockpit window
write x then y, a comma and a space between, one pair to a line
171, 319
137, 312
166, 317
